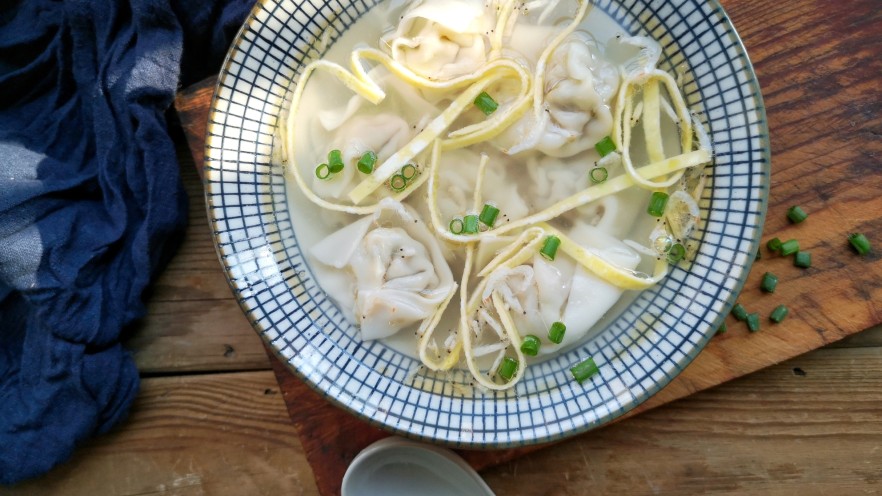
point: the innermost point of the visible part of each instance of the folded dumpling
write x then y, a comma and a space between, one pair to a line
579, 85
388, 271
381, 133
541, 292
442, 39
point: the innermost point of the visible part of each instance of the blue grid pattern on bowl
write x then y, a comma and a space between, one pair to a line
642, 350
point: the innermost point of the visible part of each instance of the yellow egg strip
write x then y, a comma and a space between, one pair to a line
649, 82
652, 121
609, 272
425, 332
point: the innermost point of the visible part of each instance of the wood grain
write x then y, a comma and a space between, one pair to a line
810, 426
819, 69
193, 323
807, 426
219, 434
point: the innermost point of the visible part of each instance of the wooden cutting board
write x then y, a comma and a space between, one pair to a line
820, 68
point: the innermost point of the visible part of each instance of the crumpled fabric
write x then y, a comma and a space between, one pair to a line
91, 203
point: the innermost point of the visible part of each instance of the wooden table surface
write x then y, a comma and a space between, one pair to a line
210, 418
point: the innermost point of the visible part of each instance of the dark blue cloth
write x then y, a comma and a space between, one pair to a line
91, 203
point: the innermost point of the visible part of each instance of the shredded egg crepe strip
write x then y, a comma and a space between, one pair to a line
626, 113
521, 250
425, 333
454, 354
609, 272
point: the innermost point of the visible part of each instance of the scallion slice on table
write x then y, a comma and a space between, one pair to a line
556, 333
486, 103
507, 368
778, 314
723, 328
860, 243
598, 175
657, 203
796, 214
769, 282
488, 215
584, 370
803, 259
530, 345
789, 247
739, 312
605, 146
549, 249
753, 322
774, 244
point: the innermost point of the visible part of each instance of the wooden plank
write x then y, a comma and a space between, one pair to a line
193, 323
196, 336
810, 426
761, 434
828, 165
192, 111
220, 434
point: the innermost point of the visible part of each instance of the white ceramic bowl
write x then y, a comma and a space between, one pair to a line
638, 353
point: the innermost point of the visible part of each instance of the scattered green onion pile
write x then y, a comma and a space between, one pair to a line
769, 282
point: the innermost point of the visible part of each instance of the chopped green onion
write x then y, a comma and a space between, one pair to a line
739, 312
409, 171
803, 259
789, 247
676, 253
778, 314
456, 226
488, 215
530, 345
759, 255
470, 224
335, 161
774, 244
770, 281
860, 243
507, 368
322, 171
722, 329
584, 370
549, 249
796, 214
605, 146
397, 182
366, 162
753, 322
657, 203
598, 175
556, 333
486, 103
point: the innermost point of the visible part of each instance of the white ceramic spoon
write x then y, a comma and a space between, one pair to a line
399, 467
